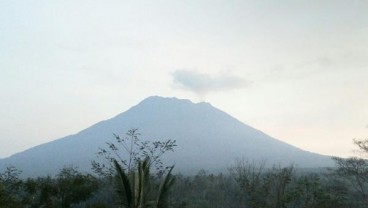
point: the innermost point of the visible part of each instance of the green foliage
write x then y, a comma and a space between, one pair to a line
273, 188
309, 192
125, 191
163, 195
205, 190
134, 188
10, 186
68, 188
276, 186
73, 187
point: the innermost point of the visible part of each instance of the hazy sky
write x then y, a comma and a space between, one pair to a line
297, 70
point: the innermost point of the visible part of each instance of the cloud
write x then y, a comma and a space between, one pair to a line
307, 68
202, 84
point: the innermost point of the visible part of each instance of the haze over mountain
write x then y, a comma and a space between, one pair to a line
207, 138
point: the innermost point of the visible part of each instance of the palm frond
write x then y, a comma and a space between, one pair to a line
127, 192
162, 199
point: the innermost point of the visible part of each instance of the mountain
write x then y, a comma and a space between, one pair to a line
207, 138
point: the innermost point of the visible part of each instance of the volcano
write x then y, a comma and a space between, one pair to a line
207, 139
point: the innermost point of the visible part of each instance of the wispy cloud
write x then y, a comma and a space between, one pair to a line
202, 84
335, 63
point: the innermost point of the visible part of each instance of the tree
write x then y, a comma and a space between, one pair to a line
42, 192
74, 187
129, 150
249, 178
68, 188
308, 191
362, 145
135, 186
10, 184
277, 186
355, 171
280, 187
131, 159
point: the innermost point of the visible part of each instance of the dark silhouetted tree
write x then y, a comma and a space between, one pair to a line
129, 150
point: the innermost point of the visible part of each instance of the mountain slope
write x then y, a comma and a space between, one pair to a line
207, 138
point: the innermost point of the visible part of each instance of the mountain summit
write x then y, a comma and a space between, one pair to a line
207, 138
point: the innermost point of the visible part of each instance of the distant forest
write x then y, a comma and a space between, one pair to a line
135, 177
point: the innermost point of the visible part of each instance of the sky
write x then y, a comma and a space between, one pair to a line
296, 70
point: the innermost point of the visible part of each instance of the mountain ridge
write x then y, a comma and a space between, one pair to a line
207, 138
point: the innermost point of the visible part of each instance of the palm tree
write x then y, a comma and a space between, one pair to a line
133, 189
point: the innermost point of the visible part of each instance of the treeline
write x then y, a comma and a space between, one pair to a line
245, 185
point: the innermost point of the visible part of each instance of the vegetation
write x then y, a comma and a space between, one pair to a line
354, 172
129, 151
130, 183
246, 185
68, 188
134, 190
